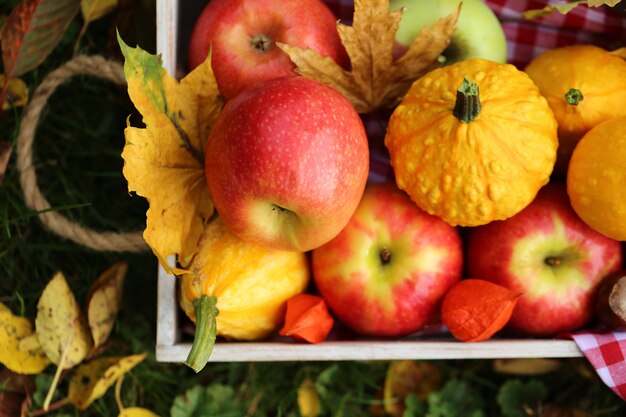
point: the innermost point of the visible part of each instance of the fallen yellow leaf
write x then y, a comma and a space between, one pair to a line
405, 377
137, 412
95, 9
17, 93
165, 161
308, 399
91, 380
103, 302
20, 359
60, 325
565, 8
526, 366
375, 80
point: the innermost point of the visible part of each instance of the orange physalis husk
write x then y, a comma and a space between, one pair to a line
475, 309
307, 319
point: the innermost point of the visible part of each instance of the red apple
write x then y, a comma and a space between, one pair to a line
549, 255
386, 273
286, 163
242, 36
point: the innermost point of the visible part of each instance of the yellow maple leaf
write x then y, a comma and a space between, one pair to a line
375, 80
165, 161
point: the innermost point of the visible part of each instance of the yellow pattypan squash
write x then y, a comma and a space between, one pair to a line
472, 142
584, 85
237, 290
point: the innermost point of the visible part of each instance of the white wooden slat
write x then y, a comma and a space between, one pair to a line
378, 350
167, 33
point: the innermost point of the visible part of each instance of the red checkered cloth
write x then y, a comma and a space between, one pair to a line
607, 353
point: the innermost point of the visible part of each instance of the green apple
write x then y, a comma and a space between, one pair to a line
478, 31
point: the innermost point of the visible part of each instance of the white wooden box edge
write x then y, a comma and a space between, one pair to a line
169, 348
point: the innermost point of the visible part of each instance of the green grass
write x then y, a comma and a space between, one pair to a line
77, 154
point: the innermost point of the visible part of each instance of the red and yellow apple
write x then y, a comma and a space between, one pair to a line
548, 254
387, 271
286, 163
242, 36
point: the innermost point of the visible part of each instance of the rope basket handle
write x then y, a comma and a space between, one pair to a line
96, 66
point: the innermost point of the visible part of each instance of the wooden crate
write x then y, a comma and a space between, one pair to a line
170, 347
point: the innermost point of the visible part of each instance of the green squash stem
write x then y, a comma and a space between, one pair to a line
206, 313
467, 106
574, 96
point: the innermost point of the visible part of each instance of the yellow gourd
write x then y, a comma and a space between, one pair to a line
472, 142
596, 178
237, 290
584, 85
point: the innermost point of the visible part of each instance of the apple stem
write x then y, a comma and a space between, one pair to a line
574, 96
467, 106
206, 313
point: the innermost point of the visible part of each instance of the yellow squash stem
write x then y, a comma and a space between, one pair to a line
468, 105
206, 312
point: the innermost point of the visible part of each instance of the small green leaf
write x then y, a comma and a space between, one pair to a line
516, 397
213, 400
456, 399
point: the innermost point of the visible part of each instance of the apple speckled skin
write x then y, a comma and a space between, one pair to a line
242, 36
286, 163
549, 255
394, 293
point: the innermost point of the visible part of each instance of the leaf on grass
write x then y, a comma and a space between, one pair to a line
518, 399
457, 398
375, 80
565, 8
526, 366
213, 400
307, 318
308, 399
408, 377
165, 161
26, 359
95, 9
6, 149
137, 412
104, 300
16, 94
91, 380
475, 309
60, 324
31, 32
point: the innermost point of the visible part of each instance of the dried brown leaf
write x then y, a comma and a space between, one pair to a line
6, 149
375, 80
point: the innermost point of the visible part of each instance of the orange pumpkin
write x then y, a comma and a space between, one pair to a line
584, 85
475, 153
